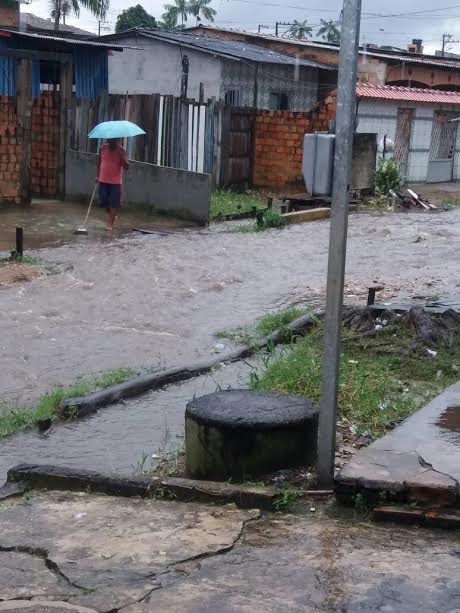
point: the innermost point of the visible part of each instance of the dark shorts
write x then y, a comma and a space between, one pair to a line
109, 196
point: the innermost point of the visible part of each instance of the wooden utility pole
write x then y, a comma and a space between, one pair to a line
24, 110
346, 109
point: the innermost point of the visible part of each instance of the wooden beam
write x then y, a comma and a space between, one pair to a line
65, 120
24, 111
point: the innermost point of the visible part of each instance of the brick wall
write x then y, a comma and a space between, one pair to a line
44, 147
10, 151
45, 144
9, 15
279, 142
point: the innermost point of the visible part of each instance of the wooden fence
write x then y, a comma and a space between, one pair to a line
207, 137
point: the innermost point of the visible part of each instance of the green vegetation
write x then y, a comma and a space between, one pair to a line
13, 420
265, 325
269, 219
31, 260
279, 319
286, 497
378, 203
134, 17
229, 202
381, 379
451, 201
387, 176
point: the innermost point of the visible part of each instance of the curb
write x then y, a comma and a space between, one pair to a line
87, 405
35, 476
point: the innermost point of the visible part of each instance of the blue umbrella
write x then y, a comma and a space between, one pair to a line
115, 129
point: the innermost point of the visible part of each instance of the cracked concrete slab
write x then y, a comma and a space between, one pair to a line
304, 565
419, 456
109, 551
142, 556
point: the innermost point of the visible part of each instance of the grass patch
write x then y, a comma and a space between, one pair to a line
264, 326
451, 201
229, 202
13, 420
375, 389
275, 321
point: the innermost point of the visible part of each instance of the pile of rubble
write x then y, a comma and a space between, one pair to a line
411, 200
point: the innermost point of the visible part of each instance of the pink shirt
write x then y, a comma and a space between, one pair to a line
111, 170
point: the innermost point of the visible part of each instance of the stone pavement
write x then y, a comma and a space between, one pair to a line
62, 551
420, 459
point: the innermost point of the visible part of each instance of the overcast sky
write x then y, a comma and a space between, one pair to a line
386, 22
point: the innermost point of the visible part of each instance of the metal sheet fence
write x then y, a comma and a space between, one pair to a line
180, 133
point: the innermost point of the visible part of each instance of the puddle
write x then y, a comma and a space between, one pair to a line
449, 424
51, 223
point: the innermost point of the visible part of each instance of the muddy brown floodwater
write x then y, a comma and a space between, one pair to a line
141, 301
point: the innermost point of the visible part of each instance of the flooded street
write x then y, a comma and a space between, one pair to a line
147, 300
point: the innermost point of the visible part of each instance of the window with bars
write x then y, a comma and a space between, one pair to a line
233, 97
279, 101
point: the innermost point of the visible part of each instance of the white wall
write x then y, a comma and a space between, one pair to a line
156, 68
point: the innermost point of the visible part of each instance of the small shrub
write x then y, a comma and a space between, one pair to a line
269, 219
387, 176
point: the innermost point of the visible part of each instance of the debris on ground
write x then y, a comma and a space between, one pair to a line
411, 199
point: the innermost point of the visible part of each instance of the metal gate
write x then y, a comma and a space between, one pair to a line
402, 140
238, 127
442, 150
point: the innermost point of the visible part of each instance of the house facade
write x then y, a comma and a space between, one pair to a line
379, 66
240, 74
41, 76
418, 122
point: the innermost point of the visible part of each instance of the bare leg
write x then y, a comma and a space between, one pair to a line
113, 217
109, 225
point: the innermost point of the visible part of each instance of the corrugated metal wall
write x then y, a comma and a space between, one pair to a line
90, 70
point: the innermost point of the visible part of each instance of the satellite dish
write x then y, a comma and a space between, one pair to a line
386, 145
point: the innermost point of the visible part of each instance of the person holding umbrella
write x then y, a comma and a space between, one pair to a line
113, 159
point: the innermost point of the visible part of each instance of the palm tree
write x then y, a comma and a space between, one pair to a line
66, 9
169, 22
202, 6
300, 30
97, 7
329, 31
180, 9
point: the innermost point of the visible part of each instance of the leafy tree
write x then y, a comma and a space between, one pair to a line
329, 31
97, 7
135, 17
169, 21
201, 8
66, 10
179, 11
300, 30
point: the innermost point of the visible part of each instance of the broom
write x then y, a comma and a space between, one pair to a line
82, 229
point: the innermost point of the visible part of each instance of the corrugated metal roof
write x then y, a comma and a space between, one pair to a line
67, 41
407, 94
233, 49
407, 58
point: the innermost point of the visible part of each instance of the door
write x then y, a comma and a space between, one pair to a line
442, 150
402, 140
237, 146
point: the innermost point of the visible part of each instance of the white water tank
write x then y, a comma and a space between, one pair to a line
318, 163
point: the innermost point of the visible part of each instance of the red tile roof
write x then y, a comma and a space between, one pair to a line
406, 94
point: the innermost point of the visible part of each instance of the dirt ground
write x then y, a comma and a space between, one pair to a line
72, 551
141, 301
14, 272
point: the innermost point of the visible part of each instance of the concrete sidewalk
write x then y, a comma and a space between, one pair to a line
419, 460
62, 551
